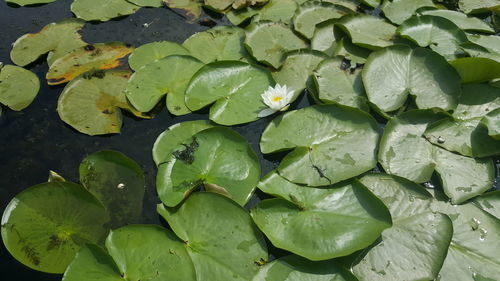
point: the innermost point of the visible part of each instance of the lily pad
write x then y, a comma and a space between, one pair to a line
415, 247
397, 11
190, 8
219, 236
476, 70
29, 2
389, 75
330, 143
404, 152
216, 44
319, 224
135, 252
324, 39
118, 182
175, 135
489, 202
477, 100
147, 3
168, 76
313, 12
150, 52
478, 6
492, 123
91, 103
99, 56
337, 82
274, 10
440, 34
295, 268
235, 87
97, 10
218, 158
490, 42
348, 50
297, 69
368, 31
18, 86
57, 39
269, 41
44, 226
461, 20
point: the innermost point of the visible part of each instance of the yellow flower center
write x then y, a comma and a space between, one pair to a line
277, 98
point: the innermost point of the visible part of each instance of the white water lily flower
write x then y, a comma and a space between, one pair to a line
277, 98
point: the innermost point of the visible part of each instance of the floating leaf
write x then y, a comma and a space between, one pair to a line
168, 76
99, 56
368, 31
268, 42
440, 34
118, 182
330, 143
297, 68
354, 53
319, 224
91, 103
220, 237
397, 11
491, 42
478, 6
97, 10
235, 87
138, 252
404, 152
476, 70
415, 247
57, 39
477, 100
324, 39
492, 122
29, 2
461, 20
392, 73
218, 43
45, 225
489, 202
191, 8
296, 268
55, 177
218, 158
313, 12
147, 3
150, 52
274, 10
219, 5
174, 136
18, 86
337, 82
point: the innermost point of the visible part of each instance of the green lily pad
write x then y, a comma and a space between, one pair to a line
235, 87
274, 10
372, 3
268, 42
219, 236
118, 182
297, 69
29, 2
330, 143
490, 42
354, 53
397, 11
404, 152
489, 202
18, 87
147, 3
175, 135
99, 56
473, 251
295, 268
54, 176
440, 34
478, 6
97, 10
91, 103
313, 12
57, 39
218, 158
415, 247
168, 76
477, 100
461, 20
45, 225
389, 75
337, 84
191, 9
150, 52
319, 224
135, 252
216, 44
218, 5
324, 39
368, 31
492, 123
476, 70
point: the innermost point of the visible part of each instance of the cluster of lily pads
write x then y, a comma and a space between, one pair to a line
431, 69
